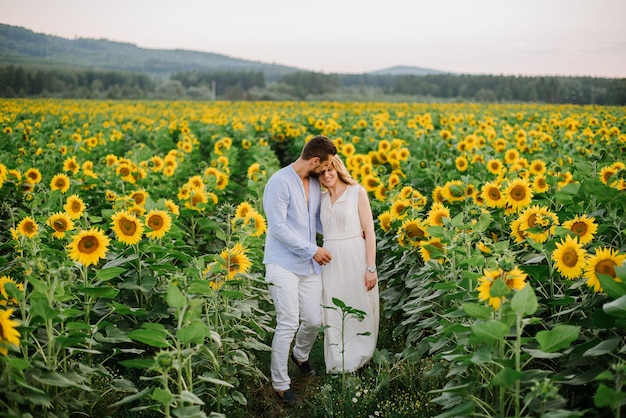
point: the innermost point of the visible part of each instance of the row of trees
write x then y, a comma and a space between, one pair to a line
18, 81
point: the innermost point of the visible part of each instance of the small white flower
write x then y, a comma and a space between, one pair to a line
358, 394
354, 400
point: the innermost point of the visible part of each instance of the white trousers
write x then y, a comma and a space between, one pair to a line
297, 300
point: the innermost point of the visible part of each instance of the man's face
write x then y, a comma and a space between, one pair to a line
320, 166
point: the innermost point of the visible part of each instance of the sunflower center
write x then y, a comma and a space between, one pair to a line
518, 193
570, 258
155, 222
579, 228
128, 226
88, 245
76, 206
606, 267
59, 225
29, 227
414, 231
494, 193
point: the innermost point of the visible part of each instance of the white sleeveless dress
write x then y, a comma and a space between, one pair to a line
344, 278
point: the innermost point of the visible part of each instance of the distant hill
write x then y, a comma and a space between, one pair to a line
407, 70
20, 46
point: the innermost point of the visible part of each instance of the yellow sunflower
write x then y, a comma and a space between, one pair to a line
257, 221
156, 164
196, 182
9, 336
517, 232
485, 282
453, 191
495, 166
32, 175
184, 193
253, 171
89, 246
384, 219
538, 223
518, 194
394, 180
70, 164
405, 192
197, 200
606, 173
428, 246
171, 206
159, 222
511, 156
437, 194
461, 163
565, 178
111, 160
221, 180
370, 182
136, 210
110, 196
74, 206
514, 279
237, 262
537, 167
412, 232
139, 196
437, 212
243, 209
603, 261
540, 185
381, 193
492, 196
4, 298
27, 227
584, 227
399, 208
569, 257
60, 182
61, 223
418, 200
125, 171
128, 229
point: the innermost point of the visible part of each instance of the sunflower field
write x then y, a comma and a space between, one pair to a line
131, 245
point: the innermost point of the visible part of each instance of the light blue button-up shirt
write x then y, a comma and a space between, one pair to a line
292, 224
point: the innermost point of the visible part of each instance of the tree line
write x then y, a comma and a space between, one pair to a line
25, 81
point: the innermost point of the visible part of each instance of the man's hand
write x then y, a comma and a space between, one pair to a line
322, 256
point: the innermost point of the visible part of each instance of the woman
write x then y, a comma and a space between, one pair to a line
350, 276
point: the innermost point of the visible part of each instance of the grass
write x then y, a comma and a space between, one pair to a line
397, 388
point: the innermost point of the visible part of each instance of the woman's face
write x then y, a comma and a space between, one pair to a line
328, 177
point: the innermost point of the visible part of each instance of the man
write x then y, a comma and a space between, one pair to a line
292, 259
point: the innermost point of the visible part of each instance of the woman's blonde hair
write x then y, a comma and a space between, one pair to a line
342, 171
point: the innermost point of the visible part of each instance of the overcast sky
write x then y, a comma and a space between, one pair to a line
530, 37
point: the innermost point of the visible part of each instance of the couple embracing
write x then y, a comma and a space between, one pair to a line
304, 278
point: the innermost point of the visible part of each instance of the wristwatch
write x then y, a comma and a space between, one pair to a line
371, 269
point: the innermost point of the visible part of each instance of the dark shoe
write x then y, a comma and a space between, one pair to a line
305, 366
287, 397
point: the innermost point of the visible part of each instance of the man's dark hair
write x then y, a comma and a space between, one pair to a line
319, 146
